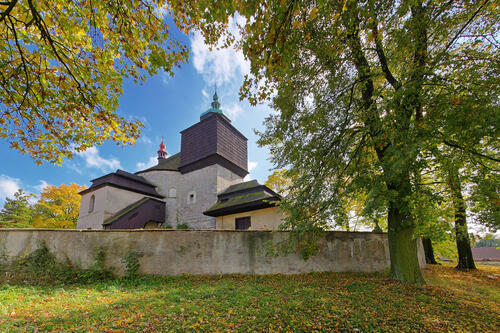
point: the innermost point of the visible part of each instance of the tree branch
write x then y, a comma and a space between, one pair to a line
381, 54
457, 35
8, 10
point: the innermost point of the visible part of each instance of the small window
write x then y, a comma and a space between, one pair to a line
242, 223
91, 203
191, 198
172, 193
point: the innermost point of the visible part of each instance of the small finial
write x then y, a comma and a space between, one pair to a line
162, 153
215, 103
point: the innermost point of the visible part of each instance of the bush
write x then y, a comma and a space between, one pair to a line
132, 265
168, 226
41, 267
183, 226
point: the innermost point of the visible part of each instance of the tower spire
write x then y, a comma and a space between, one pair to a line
215, 107
162, 153
215, 103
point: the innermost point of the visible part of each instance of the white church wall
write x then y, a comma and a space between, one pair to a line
226, 178
196, 193
92, 218
167, 183
108, 201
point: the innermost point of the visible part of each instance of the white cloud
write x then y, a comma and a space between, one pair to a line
8, 186
233, 111
165, 77
145, 139
204, 92
94, 160
222, 65
252, 165
144, 165
41, 186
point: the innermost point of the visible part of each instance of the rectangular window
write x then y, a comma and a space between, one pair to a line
242, 223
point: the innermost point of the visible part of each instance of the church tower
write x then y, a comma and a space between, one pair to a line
213, 157
213, 140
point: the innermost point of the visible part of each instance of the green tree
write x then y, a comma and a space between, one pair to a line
370, 83
488, 241
17, 212
62, 66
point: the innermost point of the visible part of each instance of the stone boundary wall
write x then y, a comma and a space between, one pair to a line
174, 252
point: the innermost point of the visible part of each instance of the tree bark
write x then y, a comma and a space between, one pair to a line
429, 252
465, 259
403, 247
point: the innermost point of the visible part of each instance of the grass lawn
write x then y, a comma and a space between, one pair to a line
451, 301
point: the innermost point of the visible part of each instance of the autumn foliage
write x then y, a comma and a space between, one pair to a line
57, 208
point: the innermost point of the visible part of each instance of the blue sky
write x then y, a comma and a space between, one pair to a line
166, 105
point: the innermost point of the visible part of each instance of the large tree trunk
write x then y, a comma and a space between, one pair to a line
403, 247
465, 259
429, 252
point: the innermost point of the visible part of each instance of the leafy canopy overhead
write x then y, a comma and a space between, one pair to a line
62, 65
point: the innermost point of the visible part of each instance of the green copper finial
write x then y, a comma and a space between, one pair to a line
215, 103
215, 108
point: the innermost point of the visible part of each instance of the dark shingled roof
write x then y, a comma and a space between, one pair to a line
240, 187
171, 164
124, 180
125, 210
137, 215
133, 177
243, 197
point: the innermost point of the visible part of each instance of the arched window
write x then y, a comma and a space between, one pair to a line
91, 203
172, 193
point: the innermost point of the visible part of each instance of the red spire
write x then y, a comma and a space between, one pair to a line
162, 153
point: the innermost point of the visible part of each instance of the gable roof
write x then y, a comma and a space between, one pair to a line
126, 181
240, 187
171, 164
243, 197
125, 211
137, 214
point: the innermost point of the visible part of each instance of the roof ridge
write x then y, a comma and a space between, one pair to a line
168, 164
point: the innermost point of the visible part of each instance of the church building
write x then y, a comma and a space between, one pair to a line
201, 186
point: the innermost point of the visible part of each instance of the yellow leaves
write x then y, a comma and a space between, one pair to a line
313, 14
344, 7
58, 206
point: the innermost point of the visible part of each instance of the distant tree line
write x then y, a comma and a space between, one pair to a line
56, 208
